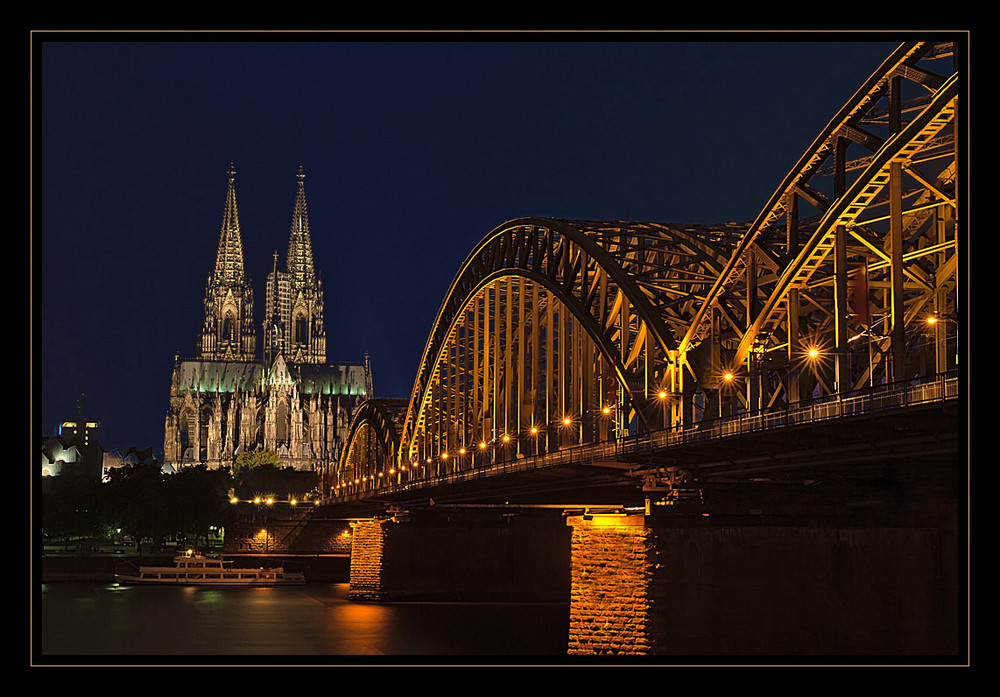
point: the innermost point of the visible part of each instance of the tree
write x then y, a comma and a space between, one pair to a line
256, 458
264, 476
73, 505
137, 496
198, 500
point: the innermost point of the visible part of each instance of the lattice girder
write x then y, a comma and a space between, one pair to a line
824, 240
630, 287
372, 447
856, 248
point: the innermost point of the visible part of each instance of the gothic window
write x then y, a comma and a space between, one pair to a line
188, 426
205, 422
281, 423
301, 329
228, 330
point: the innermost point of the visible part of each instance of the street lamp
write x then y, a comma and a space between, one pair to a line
728, 377
662, 396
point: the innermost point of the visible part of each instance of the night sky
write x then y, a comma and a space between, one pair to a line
414, 149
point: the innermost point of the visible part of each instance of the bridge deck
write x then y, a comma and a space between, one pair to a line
845, 436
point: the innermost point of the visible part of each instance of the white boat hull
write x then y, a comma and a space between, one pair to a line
191, 569
133, 580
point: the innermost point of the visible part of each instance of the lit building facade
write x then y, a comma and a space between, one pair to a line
287, 399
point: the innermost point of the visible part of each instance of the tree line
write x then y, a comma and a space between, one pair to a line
141, 502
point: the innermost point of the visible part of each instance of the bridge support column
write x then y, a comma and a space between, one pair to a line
610, 574
460, 554
746, 585
367, 555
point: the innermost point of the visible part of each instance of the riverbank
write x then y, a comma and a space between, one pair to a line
101, 568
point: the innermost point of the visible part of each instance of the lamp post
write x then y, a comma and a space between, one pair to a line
841, 367
938, 323
727, 378
662, 396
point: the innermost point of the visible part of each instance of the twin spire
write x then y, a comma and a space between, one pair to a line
294, 297
299, 260
229, 266
229, 259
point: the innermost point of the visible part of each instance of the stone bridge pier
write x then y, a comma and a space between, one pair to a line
746, 585
461, 554
652, 582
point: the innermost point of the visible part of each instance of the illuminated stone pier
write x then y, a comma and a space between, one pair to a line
610, 572
459, 555
759, 585
765, 580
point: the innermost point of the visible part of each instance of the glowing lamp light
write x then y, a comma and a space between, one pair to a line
461, 451
534, 429
728, 376
444, 456
482, 444
813, 352
506, 438
605, 520
663, 394
566, 421
606, 410
234, 500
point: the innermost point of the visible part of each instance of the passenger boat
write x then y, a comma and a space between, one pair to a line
192, 569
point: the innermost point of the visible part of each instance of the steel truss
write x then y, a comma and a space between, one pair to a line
557, 333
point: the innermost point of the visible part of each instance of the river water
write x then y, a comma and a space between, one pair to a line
88, 623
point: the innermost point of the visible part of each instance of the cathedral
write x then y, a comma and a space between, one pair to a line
286, 399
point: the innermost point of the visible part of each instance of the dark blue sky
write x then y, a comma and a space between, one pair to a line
413, 151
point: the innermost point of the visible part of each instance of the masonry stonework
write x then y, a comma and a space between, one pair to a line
610, 574
455, 556
643, 585
367, 556
292, 534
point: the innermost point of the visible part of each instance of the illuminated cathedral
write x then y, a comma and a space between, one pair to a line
286, 399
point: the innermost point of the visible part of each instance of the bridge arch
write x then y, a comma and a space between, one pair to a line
856, 252
372, 447
607, 277
853, 253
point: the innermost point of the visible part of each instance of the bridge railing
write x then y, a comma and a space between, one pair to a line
868, 401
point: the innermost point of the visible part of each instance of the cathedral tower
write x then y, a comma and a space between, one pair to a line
227, 401
293, 316
228, 332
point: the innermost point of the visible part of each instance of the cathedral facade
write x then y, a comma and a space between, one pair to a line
281, 395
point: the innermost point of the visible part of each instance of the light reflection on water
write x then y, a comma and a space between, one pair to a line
89, 619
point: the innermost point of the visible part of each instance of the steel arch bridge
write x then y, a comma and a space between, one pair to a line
557, 333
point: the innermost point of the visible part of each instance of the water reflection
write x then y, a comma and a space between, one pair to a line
81, 619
